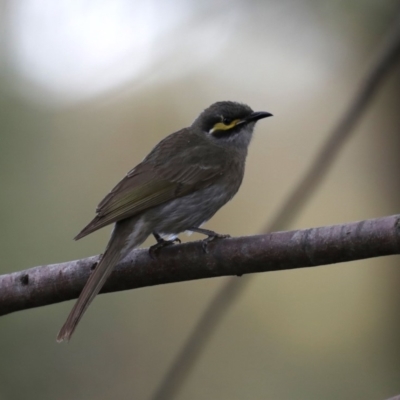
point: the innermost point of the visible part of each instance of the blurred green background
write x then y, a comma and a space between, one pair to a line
87, 88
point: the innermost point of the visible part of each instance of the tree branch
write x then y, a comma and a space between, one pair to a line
277, 251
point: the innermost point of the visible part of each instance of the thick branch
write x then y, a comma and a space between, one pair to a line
277, 251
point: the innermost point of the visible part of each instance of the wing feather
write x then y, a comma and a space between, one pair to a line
171, 170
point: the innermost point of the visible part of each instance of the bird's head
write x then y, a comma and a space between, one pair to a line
229, 122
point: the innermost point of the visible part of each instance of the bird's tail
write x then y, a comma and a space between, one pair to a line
123, 239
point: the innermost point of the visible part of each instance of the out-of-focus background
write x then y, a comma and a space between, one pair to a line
87, 88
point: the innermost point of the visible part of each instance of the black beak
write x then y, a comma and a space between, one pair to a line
255, 116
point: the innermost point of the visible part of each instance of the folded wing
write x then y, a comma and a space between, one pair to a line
171, 170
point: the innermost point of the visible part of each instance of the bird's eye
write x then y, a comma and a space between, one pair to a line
226, 121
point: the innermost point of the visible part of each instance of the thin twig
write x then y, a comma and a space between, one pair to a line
384, 61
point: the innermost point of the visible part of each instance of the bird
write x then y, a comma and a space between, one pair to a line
185, 179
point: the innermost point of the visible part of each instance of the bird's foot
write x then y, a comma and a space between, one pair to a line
161, 243
211, 236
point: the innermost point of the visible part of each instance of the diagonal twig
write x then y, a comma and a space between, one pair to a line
382, 63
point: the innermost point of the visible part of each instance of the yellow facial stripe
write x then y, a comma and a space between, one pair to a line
220, 126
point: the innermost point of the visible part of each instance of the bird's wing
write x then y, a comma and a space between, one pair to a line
173, 169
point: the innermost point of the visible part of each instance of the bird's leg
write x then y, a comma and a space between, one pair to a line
164, 242
211, 235
153, 250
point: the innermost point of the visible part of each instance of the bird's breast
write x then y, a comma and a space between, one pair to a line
195, 208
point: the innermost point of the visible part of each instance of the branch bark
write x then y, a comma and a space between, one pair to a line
276, 251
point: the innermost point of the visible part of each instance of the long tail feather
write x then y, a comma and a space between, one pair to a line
116, 250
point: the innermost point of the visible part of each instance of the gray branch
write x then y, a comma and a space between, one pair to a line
276, 251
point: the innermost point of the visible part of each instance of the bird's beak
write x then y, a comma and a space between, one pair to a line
255, 116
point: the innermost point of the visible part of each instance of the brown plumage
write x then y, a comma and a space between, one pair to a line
183, 181
159, 178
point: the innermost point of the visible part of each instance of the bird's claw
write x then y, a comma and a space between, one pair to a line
161, 243
210, 238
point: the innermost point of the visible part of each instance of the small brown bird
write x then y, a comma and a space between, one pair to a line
179, 186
